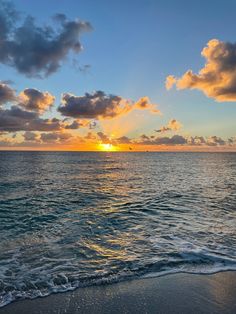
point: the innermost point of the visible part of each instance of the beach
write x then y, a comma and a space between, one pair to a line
176, 293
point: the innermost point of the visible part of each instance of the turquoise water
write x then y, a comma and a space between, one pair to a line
69, 220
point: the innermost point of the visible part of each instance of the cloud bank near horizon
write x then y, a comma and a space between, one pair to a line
55, 138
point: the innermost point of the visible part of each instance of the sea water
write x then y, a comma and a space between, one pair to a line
73, 219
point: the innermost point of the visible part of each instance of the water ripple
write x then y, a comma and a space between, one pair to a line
75, 219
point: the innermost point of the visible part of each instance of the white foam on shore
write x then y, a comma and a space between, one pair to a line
188, 269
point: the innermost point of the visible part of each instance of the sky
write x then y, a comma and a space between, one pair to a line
130, 75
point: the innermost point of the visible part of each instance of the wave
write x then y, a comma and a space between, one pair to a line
193, 264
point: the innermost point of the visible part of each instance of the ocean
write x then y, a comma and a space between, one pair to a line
74, 219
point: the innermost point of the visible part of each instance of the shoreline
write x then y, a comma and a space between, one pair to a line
173, 293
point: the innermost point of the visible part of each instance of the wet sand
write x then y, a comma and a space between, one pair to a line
177, 293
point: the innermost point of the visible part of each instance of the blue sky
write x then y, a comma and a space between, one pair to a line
134, 46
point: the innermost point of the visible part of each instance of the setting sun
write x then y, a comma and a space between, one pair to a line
107, 147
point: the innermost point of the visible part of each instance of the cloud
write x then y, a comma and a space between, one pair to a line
173, 125
144, 138
144, 103
174, 140
55, 137
33, 50
182, 140
76, 124
51, 138
90, 136
231, 141
104, 138
73, 126
35, 139
215, 141
92, 125
17, 119
99, 105
6, 93
5, 142
35, 100
81, 68
123, 140
92, 106
30, 136
217, 79
196, 140
170, 81
26, 115
46, 125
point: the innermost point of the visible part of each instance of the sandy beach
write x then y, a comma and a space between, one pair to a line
177, 293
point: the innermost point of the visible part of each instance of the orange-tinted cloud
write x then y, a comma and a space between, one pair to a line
34, 100
144, 103
173, 125
170, 81
217, 79
100, 105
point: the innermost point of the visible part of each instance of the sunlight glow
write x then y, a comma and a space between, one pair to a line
107, 147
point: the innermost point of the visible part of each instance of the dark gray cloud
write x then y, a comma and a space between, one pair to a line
6, 93
197, 140
81, 68
174, 140
92, 125
93, 106
16, 119
46, 125
210, 141
37, 51
215, 141
163, 129
30, 136
55, 137
123, 140
35, 139
35, 100
144, 137
231, 140
165, 140
99, 105
73, 126
181, 140
104, 138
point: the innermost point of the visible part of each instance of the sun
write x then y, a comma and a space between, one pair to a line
107, 147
